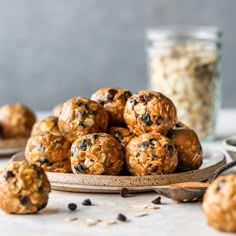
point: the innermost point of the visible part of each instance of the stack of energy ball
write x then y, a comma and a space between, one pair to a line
115, 132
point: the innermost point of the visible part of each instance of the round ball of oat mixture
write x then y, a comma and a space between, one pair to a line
46, 125
80, 116
151, 154
98, 154
56, 111
149, 111
123, 135
24, 188
16, 120
219, 203
113, 99
50, 152
188, 147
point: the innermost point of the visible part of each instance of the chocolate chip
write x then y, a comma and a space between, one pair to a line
132, 102
157, 201
126, 95
121, 217
117, 135
220, 184
145, 98
79, 168
146, 119
178, 125
81, 113
152, 169
124, 192
81, 124
23, 200
101, 102
95, 136
111, 94
79, 104
8, 174
141, 98
72, 206
169, 149
86, 106
73, 151
144, 145
42, 206
84, 145
154, 156
87, 202
152, 141
92, 112
44, 160
159, 120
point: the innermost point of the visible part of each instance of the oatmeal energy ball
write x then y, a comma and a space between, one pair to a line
113, 99
24, 188
49, 151
80, 116
46, 125
149, 111
188, 147
16, 120
219, 203
151, 154
98, 154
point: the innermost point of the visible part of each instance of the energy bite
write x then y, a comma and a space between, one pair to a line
188, 147
149, 111
24, 188
113, 99
46, 125
16, 120
151, 154
219, 203
123, 135
80, 116
50, 152
98, 154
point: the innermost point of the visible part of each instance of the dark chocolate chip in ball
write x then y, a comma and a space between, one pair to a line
81, 124
8, 174
121, 217
126, 95
72, 206
42, 206
117, 135
132, 102
157, 201
159, 120
79, 104
124, 192
73, 151
23, 200
95, 136
79, 168
111, 94
152, 169
152, 141
144, 146
220, 185
81, 114
83, 145
169, 149
87, 202
146, 119
44, 160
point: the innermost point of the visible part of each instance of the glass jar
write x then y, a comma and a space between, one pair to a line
183, 64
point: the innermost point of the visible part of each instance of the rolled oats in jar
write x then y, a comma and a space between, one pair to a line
183, 64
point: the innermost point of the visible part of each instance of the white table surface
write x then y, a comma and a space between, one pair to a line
170, 219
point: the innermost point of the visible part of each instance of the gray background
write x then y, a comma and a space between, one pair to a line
51, 50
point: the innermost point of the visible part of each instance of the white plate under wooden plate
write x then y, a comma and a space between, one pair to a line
212, 160
8, 147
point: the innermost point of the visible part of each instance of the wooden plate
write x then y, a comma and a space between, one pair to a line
212, 160
8, 147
